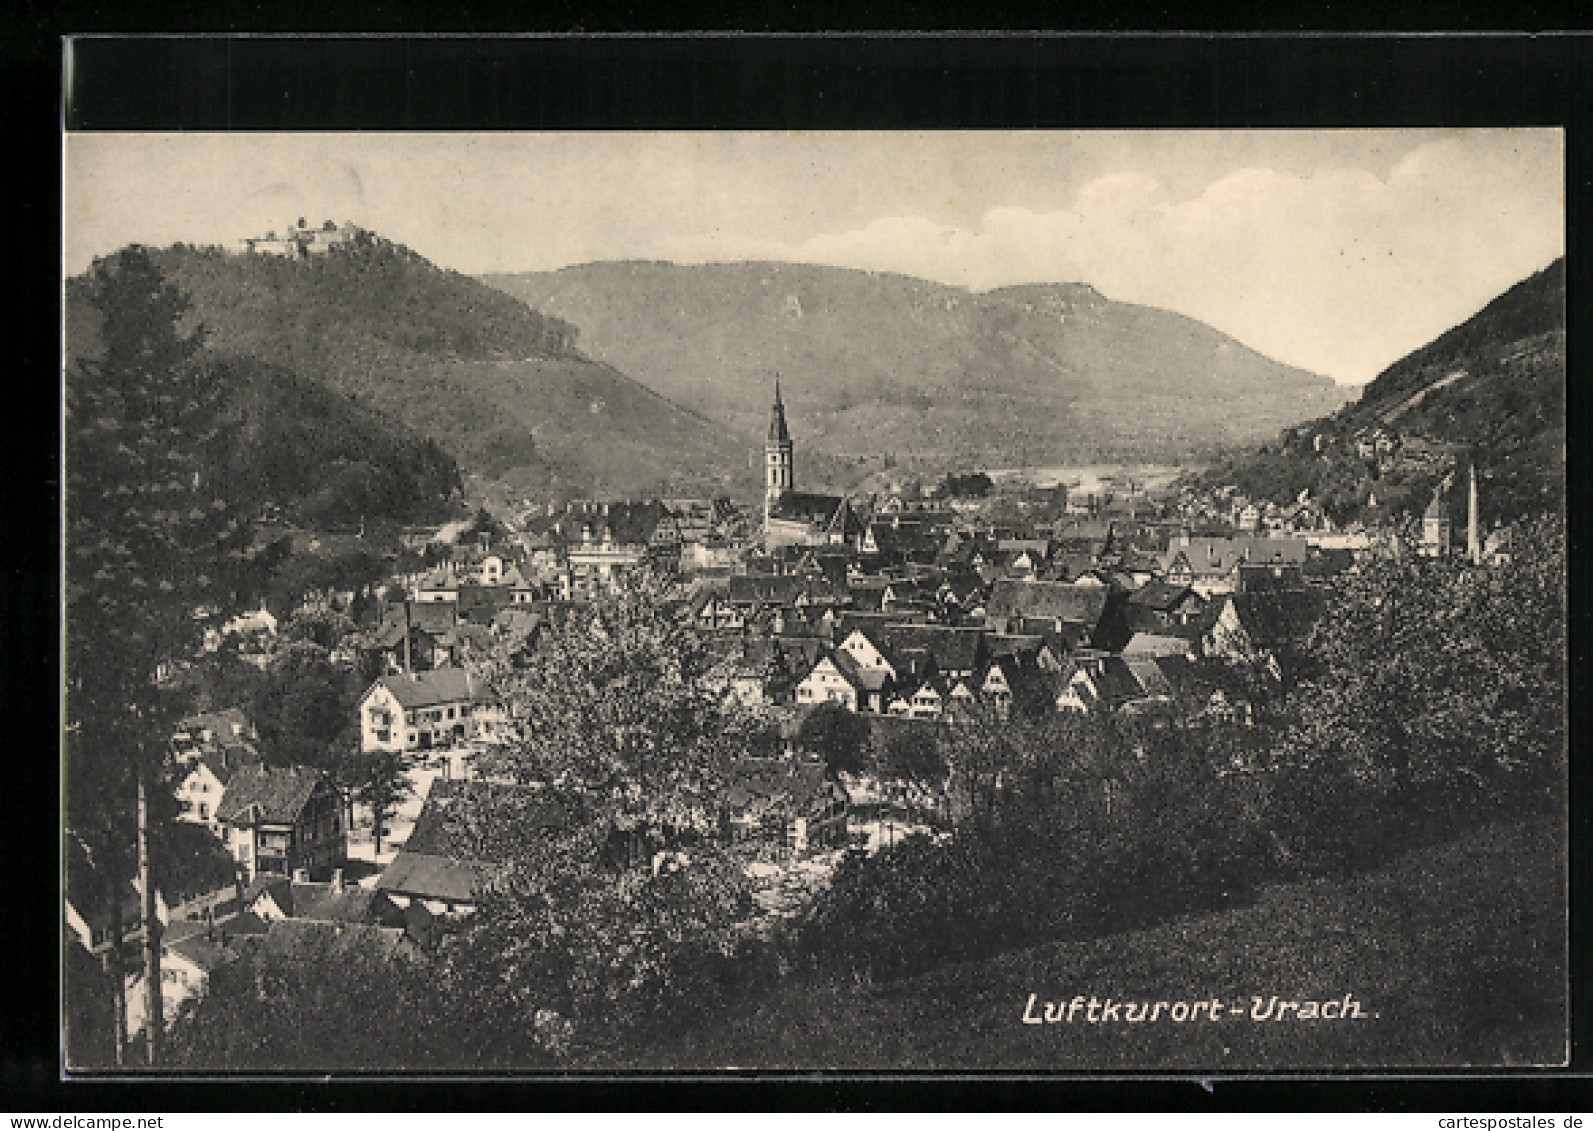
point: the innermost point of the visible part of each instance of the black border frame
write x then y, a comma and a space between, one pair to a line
829, 81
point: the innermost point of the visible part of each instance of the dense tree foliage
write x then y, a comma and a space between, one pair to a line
1440, 686
304, 706
837, 735
292, 442
612, 704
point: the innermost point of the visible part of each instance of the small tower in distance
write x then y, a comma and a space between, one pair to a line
1473, 530
1435, 527
777, 468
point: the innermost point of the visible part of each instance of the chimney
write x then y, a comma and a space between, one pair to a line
337, 880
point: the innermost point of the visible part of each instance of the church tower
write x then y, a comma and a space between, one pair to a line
777, 471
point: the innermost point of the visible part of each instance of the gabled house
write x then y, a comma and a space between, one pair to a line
806, 519
1099, 686
283, 820
1162, 604
211, 730
87, 908
1010, 683
1210, 565
837, 678
409, 635
754, 589
200, 790
714, 611
1263, 628
1080, 615
930, 699
423, 711
867, 653
440, 586
954, 653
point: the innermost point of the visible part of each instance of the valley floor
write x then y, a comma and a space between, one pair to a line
1455, 954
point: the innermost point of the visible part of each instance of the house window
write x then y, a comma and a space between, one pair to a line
204, 811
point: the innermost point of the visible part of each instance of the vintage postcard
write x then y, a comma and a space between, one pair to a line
1057, 601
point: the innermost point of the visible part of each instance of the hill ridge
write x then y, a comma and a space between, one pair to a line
498, 385
884, 368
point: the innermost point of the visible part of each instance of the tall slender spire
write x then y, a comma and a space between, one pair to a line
778, 433
1473, 533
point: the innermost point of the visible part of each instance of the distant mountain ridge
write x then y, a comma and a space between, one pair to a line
875, 364
497, 385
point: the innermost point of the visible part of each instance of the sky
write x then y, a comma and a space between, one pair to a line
1336, 251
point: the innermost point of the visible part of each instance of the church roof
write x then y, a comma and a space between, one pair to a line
801, 506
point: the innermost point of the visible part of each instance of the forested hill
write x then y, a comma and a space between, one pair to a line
1491, 390
1516, 342
494, 384
300, 447
874, 363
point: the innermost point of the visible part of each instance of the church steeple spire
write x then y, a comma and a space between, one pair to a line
778, 434
778, 473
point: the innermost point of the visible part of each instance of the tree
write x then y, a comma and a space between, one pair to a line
610, 955
320, 624
839, 736
381, 782
305, 707
908, 752
1440, 684
612, 704
484, 524
149, 536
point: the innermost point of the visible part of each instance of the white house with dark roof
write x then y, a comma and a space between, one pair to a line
420, 710
834, 679
202, 787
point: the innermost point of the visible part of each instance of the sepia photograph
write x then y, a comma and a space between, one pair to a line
1041, 600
